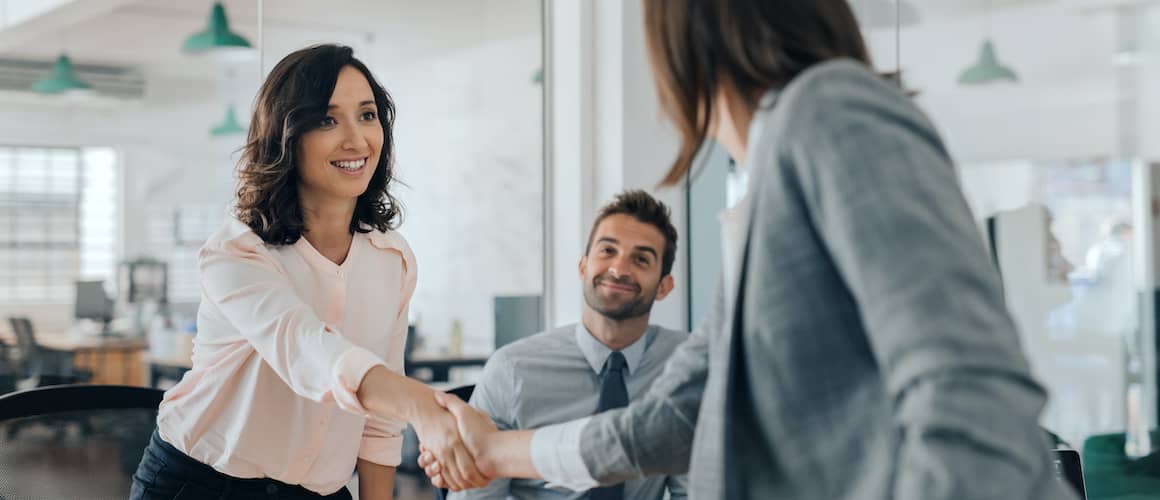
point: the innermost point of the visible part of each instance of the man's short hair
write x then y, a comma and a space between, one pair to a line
645, 209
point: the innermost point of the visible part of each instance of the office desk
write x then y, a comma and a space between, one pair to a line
172, 368
440, 365
113, 360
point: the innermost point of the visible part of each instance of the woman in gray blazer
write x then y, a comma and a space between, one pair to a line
859, 347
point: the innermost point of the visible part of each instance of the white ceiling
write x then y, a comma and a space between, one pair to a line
148, 33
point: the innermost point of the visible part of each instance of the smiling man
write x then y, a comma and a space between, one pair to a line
609, 358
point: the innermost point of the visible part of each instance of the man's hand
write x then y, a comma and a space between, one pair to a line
439, 433
474, 428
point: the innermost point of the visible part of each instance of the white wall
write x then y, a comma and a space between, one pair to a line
469, 133
469, 148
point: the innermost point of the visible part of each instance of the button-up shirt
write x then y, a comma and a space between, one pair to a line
284, 338
554, 377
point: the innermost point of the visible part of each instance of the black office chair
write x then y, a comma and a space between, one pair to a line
9, 372
39, 367
94, 465
464, 393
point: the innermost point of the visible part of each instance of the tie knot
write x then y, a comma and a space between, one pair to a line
616, 362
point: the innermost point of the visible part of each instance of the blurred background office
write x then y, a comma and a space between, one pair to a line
120, 121
117, 162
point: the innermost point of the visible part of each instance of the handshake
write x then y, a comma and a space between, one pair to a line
459, 446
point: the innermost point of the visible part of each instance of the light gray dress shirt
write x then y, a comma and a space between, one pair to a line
554, 377
862, 350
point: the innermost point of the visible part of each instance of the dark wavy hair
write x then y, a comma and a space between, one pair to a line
292, 101
646, 210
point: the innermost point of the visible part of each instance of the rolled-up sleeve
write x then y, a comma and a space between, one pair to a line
253, 293
382, 439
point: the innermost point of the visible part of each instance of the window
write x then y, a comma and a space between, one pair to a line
58, 221
175, 236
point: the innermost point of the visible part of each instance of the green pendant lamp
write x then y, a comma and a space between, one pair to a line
229, 125
987, 69
217, 36
62, 80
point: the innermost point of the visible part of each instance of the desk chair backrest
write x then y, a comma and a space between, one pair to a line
27, 357
50, 458
22, 329
464, 393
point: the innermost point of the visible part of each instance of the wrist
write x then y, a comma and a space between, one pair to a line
387, 394
487, 457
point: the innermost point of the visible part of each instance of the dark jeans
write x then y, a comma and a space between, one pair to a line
166, 473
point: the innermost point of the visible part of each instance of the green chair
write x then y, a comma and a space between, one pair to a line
1111, 475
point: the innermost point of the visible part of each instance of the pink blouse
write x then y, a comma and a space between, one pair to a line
284, 338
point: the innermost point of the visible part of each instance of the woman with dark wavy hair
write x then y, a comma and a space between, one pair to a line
859, 347
297, 363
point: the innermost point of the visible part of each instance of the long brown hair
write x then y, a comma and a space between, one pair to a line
292, 101
755, 45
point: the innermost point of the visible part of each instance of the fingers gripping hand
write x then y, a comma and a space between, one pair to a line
444, 448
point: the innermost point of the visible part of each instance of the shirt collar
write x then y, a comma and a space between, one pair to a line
596, 353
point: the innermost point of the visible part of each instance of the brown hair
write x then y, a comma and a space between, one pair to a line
292, 101
754, 45
647, 210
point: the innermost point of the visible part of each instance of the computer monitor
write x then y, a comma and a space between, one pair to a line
1069, 470
516, 317
93, 303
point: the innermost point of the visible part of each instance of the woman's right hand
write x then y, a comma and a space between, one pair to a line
438, 433
474, 428
393, 395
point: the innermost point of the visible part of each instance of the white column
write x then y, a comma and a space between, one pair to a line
604, 134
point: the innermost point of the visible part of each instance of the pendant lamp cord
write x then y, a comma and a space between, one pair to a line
898, 42
987, 17
261, 42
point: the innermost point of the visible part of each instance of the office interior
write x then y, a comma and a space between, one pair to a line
516, 120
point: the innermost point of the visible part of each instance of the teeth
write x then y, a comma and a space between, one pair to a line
349, 165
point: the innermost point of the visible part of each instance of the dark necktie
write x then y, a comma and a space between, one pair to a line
613, 394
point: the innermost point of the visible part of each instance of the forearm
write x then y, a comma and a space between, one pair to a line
375, 481
651, 437
508, 454
391, 395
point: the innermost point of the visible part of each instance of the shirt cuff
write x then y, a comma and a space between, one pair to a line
349, 371
556, 456
386, 451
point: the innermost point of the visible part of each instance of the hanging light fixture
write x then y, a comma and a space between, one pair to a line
217, 39
987, 69
62, 80
229, 125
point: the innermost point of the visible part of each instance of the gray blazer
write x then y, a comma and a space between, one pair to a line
866, 352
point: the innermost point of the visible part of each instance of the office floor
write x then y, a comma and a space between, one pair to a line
39, 463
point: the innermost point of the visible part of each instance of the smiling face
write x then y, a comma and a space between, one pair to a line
621, 274
337, 159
